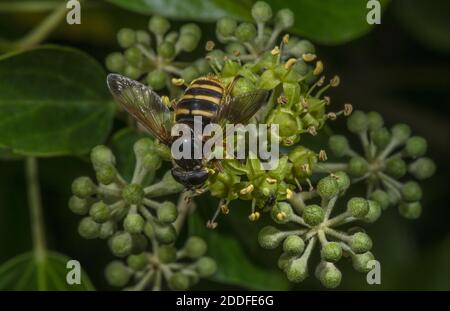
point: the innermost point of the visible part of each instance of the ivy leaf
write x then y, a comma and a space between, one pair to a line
234, 265
24, 272
53, 101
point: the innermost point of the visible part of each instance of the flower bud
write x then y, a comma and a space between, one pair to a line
133, 194
149, 230
297, 270
282, 212
245, 32
99, 212
195, 247
137, 262
328, 187
374, 212
167, 253
157, 79
381, 197
121, 244
293, 245
401, 133
83, 187
178, 281
133, 223
126, 37
191, 29
206, 267
142, 147
165, 234
158, 25
360, 262
330, 276
133, 55
270, 237
151, 162
243, 86
216, 56
381, 137
360, 242
88, 228
226, 26
117, 274
343, 181
261, 12
132, 72
396, 168
106, 229
78, 206
411, 192
423, 168
410, 210
202, 66
358, 166
357, 122
416, 146
331, 252
188, 42
375, 121
284, 18
166, 50
313, 214
358, 207
338, 144
167, 212
106, 174
172, 37
115, 62
189, 74
300, 48
143, 37
283, 260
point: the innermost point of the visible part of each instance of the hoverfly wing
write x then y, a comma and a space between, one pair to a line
143, 104
241, 108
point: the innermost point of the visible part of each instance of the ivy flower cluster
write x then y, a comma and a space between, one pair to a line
137, 227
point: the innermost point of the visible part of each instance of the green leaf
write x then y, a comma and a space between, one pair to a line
234, 265
24, 272
53, 101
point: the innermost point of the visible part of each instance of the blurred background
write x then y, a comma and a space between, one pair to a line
400, 68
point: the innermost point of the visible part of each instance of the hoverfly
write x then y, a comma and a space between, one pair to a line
206, 97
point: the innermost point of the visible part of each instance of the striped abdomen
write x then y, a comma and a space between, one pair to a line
201, 98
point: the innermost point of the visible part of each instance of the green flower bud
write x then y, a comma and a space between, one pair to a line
235, 47
106, 174
178, 281
423, 168
375, 121
313, 214
270, 237
165, 234
151, 162
142, 147
226, 26
330, 276
410, 210
132, 72
100, 212
78, 206
284, 18
261, 12
411, 192
137, 262
195, 247
297, 270
83, 187
101, 156
381, 197
157, 79
166, 50
191, 29
416, 146
302, 47
343, 181
293, 245
396, 168
88, 228
206, 267
158, 25
202, 66
302, 68
282, 212
243, 86
133, 223
360, 262
189, 74
401, 133
115, 62
167, 253
360, 242
358, 207
381, 137
133, 194
374, 212
245, 32
106, 229
187, 42
328, 187
216, 56
133, 56
358, 166
172, 37
283, 260
143, 37
126, 37
121, 244
117, 274
289, 123
357, 122
149, 230
167, 213
331, 252
338, 144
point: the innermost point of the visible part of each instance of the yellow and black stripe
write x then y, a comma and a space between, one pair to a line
201, 98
